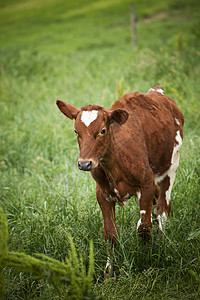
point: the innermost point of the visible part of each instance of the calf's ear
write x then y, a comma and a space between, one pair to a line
67, 109
119, 115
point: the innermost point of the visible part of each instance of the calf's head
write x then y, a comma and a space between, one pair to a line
94, 131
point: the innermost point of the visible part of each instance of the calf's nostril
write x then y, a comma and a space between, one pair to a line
89, 165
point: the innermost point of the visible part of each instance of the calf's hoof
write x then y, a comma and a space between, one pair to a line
144, 233
108, 273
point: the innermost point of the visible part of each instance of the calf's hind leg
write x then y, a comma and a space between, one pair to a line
145, 198
164, 202
166, 183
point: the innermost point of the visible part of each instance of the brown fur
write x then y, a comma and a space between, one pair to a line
136, 147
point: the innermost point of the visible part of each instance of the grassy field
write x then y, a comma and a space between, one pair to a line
81, 52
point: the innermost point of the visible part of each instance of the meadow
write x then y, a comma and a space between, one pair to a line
81, 52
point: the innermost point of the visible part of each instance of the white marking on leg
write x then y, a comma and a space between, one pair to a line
108, 265
162, 219
139, 223
142, 212
88, 117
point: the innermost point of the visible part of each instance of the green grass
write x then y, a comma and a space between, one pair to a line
81, 52
70, 278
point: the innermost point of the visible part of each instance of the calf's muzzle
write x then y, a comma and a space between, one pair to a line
85, 165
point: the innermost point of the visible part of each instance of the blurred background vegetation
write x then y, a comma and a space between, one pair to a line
82, 52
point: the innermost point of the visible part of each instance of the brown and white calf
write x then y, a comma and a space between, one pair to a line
130, 149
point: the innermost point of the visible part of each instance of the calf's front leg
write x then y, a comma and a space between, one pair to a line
110, 228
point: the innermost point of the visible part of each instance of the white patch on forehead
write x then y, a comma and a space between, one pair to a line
88, 117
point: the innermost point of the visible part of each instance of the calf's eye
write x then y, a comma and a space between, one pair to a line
103, 131
76, 132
